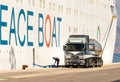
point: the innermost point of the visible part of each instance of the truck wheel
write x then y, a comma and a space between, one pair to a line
97, 62
86, 65
101, 62
67, 66
93, 63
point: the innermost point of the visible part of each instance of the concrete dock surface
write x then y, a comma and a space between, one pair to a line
36, 73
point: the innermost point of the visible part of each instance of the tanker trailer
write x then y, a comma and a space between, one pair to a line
82, 51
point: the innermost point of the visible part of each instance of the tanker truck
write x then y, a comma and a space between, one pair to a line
82, 51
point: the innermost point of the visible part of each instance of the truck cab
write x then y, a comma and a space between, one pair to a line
80, 51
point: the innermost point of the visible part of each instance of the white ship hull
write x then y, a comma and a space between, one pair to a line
45, 26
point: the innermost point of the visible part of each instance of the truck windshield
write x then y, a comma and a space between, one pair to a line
74, 47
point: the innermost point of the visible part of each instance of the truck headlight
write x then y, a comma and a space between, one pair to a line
81, 57
68, 56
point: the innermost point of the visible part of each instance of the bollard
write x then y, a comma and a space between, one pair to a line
24, 67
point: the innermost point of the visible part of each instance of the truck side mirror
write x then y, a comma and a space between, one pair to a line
91, 47
64, 47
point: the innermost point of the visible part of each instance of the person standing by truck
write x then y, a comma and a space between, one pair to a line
57, 60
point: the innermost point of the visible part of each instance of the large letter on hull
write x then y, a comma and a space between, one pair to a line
20, 14
40, 30
59, 20
29, 13
54, 32
47, 42
2, 24
12, 27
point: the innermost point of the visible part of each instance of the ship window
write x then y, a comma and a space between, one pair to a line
29, 2
59, 8
75, 12
33, 2
75, 30
112, 10
105, 6
40, 2
44, 4
97, 2
69, 29
53, 6
49, 6
90, 1
16, 0
86, 1
66, 10
93, 2
21, 1
69, 10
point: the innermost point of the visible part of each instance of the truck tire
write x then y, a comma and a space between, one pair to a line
67, 66
96, 62
89, 63
86, 65
99, 62
93, 63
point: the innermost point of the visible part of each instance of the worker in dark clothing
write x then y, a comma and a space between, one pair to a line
56, 60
